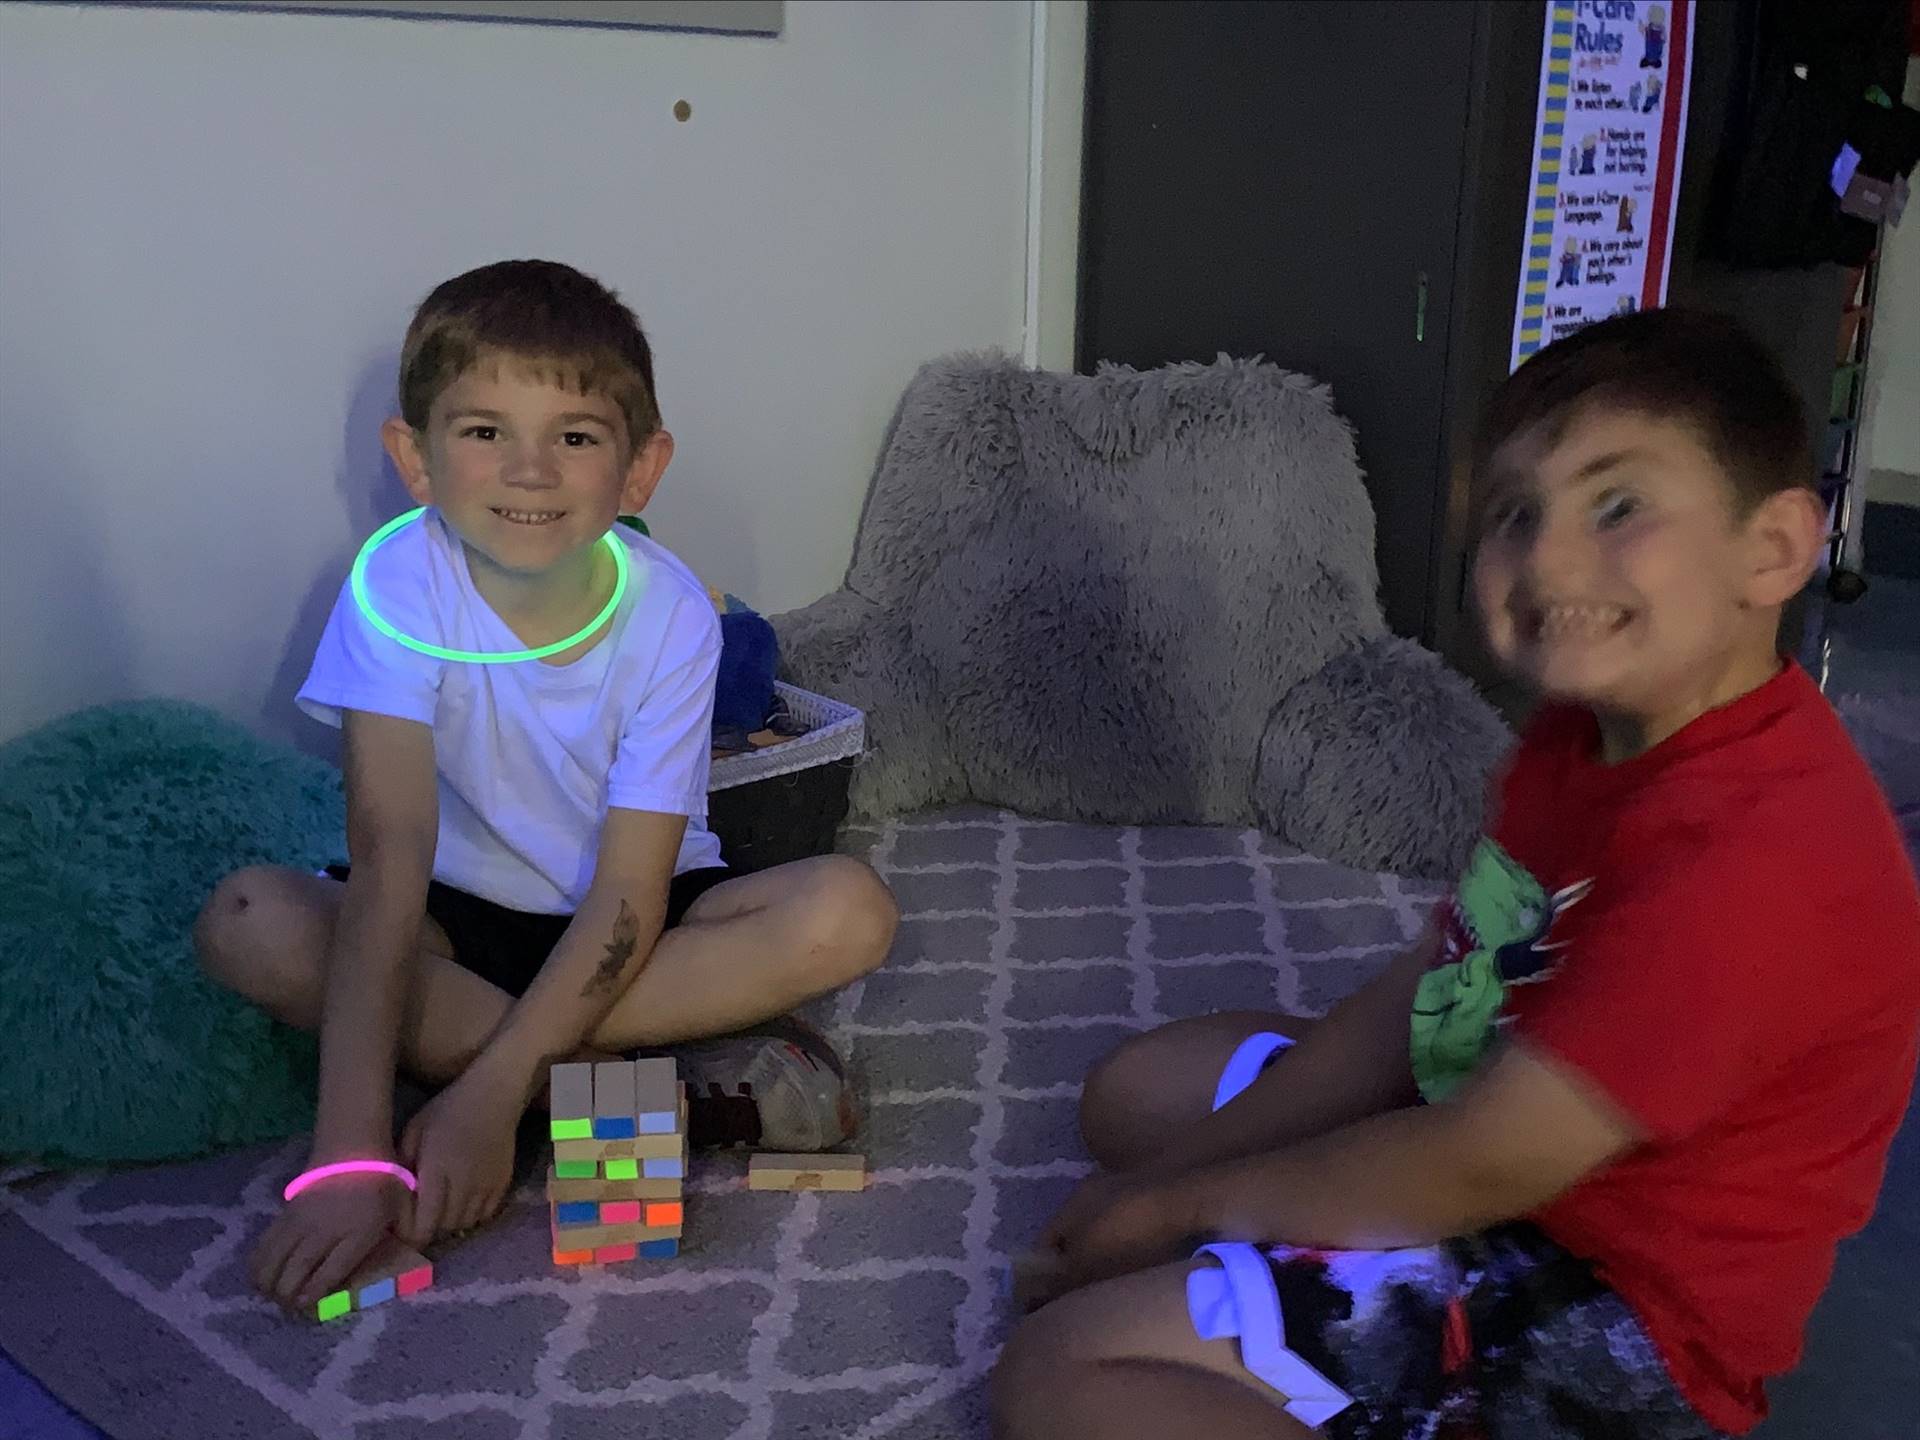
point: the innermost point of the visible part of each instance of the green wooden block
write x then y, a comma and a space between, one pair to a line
570, 1129
570, 1090
332, 1307
576, 1169
622, 1169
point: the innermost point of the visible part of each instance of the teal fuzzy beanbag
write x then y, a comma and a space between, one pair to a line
115, 823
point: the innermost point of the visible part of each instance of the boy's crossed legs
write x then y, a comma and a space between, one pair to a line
1121, 1358
749, 949
1543, 1349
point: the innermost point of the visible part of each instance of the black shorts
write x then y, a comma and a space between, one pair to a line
505, 947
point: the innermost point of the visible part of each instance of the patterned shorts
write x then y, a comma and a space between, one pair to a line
1496, 1336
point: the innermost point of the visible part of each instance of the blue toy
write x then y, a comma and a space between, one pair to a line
749, 655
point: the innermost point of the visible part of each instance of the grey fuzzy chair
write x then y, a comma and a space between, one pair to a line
1141, 598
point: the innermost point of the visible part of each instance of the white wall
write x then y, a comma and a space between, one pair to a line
1893, 433
1053, 218
213, 227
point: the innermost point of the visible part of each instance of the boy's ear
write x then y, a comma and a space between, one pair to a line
403, 448
649, 463
1784, 535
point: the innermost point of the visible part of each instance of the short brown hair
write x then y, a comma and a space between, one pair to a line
1693, 366
540, 314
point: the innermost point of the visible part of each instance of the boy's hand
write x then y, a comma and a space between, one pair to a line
460, 1148
321, 1237
1116, 1224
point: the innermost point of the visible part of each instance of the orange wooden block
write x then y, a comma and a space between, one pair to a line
668, 1213
573, 1257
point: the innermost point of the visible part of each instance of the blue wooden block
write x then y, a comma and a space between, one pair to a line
577, 1212
613, 1127
658, 1249
375, 1294
663, 1169
658, 1122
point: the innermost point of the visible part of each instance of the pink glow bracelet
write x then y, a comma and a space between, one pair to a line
348, 1167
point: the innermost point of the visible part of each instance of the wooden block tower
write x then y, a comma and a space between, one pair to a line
619, 1161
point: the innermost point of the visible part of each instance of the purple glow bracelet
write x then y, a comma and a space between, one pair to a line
348, 1167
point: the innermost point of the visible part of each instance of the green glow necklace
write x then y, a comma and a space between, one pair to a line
358, 581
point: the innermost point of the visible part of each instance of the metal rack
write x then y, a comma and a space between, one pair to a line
1843, 461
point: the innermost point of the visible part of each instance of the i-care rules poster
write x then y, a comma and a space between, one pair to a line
1608, 138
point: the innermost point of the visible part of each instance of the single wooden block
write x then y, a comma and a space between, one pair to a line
659, 1249
673, 1213
633, 1147
611, 1254
807, 1172
570, 1101
333, 1306
579, 1212
593, 1237
572, 1257
614, 1115
656, 1095
598, 1188
611, 1212
389, 1261
412, 1282
570, 1090
620, 1170
674, 1169
578, 1169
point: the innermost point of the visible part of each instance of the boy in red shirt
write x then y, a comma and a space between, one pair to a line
1575, 1165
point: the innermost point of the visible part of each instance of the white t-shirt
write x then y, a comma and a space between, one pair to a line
531, 755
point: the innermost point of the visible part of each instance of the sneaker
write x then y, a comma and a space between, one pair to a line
778, 1086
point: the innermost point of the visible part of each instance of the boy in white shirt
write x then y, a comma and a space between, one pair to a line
531, 877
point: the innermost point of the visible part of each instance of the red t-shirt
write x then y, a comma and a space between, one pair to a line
1743, 979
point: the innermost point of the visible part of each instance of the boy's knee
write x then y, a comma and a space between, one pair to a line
1130, 1104
851, 915
1055, 1348
230, 911
1111, 1095
246, 924
1018, 1393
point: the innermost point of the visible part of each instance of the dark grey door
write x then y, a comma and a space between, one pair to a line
1284, 177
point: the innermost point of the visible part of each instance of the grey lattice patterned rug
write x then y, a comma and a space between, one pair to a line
1026, 951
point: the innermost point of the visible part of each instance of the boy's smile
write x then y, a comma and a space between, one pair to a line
1614, 573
